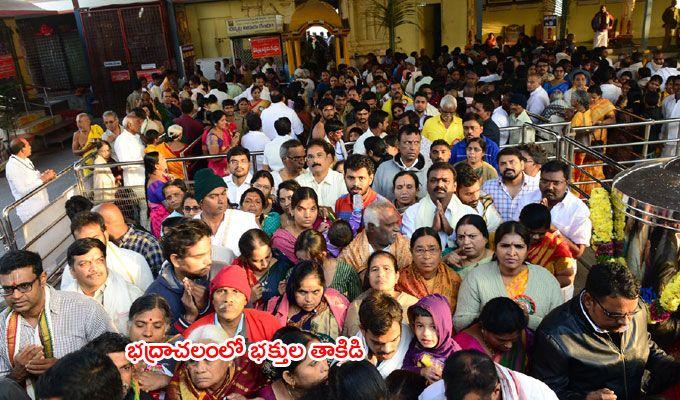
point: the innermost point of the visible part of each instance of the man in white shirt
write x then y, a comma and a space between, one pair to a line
468, 190
131, 266
276, 110
500, 115
519, 117
255, 140
215, 91
227, 225
328, 184
272, 150
292, 155
538, 97
87, 262
259, 81
238, 180
23, 178
671, 109
377, 122
129, 147
113, 130
534, 157
422, 108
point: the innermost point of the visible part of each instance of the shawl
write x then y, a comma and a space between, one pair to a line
356, 253
182, 388
427, 210
446, 283
516, 358
337, 303
417, 356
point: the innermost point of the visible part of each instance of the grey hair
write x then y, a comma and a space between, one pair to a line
79, 116
374, 210
448, 100
126, 121
208, 333
110, 113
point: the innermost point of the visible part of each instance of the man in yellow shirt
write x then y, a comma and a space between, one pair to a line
447, 125
396, 95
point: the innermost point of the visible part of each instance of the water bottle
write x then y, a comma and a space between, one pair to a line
357, 202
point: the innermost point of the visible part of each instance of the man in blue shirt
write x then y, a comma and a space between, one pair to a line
472, 128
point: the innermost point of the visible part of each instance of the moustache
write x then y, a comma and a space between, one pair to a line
315, 165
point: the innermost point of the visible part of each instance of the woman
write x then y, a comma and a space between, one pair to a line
265, 267
355, 380
217, 140
304, 208
156, 173
428, 274
252, 201
282, 214
264, 181
308, 304
240, 119
257, 104
149, 320
382, 276
472, 239
190, 206
172, 149
293, 381
500, 332
475, 151
311, 246
152, 120
580, 80
406, 186
531, 286
558, 83
104, 182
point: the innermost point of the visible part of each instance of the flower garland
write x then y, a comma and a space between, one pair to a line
619, 216
601, 216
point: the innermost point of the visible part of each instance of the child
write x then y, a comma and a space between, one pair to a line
339, 236
430, 320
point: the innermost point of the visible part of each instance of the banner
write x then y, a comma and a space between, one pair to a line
254, 25
120, 75
146, 73
7, 66
262, 47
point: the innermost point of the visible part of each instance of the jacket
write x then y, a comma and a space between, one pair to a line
571, 357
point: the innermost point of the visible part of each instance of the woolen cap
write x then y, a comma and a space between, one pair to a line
205, 181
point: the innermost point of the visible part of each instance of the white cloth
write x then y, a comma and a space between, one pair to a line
359, 147
129, 147
225, 241
329, 189
386, 367
131, 266
264, 94
514, 386
279, 110
111, 138
490, 78
610, 92
422, 213
255, 141
500, 117
665, 73
23, 178
572, 218
538, 101
339, 149
116, 295
601, 39
272, 152
235, 192
277, 180
671, 109
104, 182
491, 216
653, 68
221, 96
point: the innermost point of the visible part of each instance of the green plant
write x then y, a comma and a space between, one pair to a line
389, 14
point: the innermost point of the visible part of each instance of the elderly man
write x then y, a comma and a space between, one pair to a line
519, 117
113, 130
447, 125
396, 96
538, 97
227, 225
23, 178
129, 147
87, 262
131, 266
292, 155
382, 232
85, 137
328, 184
468, 190
230, 293
440, 209
41, 324
473, 127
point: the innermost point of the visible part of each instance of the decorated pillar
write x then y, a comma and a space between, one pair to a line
337, 50
296, 44
289, 56
345, 49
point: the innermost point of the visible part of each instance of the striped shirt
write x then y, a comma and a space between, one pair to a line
508, 206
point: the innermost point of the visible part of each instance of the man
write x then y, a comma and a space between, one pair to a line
154, 88
534, 158
229, 294
292, 155
87, 262
359, 173
396, 96
328, 184
191, 128
66, 380
470, 374
214, 87
134, 99
272, 150
113, 130
440, 209
447, 125
580, 346
343, 112
601, 23
361, 113
440, 151
327, 112
41, 324
127, 236
422, 107
86, 135
259, 81
500, 112
538, 97
131, 266
220, 76
334, 135
238, 180
519, 117
227, 225
183, 281
670, 23
129, 147
409, 158
278, 109
378, 121
255, 140
473, 128
23, 178
385, 338
512, 190
171, 110
484, 108
468, 190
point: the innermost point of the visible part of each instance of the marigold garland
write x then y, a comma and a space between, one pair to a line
619, 216
601, 216
670, 295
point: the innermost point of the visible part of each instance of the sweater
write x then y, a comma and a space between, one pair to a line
383, 183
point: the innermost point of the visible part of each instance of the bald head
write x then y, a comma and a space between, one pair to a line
113, 218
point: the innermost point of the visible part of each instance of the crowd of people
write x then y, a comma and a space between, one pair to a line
402, 201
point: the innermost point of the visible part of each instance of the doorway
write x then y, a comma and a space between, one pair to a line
432, 28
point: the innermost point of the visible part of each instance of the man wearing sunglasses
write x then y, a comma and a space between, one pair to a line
596, 346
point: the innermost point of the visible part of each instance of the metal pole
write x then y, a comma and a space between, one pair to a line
646, 23
645, 147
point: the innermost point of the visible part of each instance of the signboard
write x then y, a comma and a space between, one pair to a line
148, 66
108, 64
550, 21
549, 28
146, 73
269, 46
122, 75
254, 25
187, 51
7, 66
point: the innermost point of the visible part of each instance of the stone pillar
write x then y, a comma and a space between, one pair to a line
296, 43
337, 50
345, 49
290, 57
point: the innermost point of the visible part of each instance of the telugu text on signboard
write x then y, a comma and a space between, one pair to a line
269, 46
254, 25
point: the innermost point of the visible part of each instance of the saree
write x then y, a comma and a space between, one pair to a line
157, 210
586, 119
285, 242
270, 280
516, 358
174, 167
182, 388
518, 285
446, 282
552, 253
